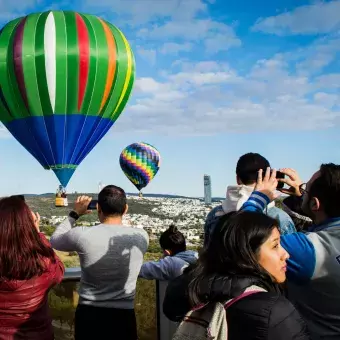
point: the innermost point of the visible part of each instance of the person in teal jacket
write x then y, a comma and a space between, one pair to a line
313, 269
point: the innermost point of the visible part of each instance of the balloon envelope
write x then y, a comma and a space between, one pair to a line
140, 163
65, 78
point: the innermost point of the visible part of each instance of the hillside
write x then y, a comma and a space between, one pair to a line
46, 208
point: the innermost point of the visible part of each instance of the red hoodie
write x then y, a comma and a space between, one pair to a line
24, 312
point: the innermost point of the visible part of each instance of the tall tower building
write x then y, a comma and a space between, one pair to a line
207, 189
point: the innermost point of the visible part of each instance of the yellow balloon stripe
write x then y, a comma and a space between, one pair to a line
129, 71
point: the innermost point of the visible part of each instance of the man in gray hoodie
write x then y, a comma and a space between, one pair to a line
247, 169
176, 257
111, 255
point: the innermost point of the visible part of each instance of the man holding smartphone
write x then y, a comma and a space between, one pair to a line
111, 256
313, 269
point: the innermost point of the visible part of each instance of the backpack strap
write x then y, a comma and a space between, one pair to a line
249, 291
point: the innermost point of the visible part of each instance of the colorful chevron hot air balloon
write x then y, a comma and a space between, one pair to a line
140, 163
65, 78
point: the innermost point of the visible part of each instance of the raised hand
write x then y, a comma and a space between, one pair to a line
293, 180
267, 184
81, 204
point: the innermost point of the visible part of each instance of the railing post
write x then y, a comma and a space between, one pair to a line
165, 327
158, 310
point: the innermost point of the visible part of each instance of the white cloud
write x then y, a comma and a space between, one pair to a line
320, 17
201, 66
148, 55
329, 81
186, 20
149, 85
10, 10
138, 12
167, 20
313, 58
197, 78
221, 42
175, 48
326, 99
216, 36
208, 98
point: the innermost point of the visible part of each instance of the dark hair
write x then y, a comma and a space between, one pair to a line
112, 201
248, 166
327, 189
23, 254
233, 250
172, 239
292, 206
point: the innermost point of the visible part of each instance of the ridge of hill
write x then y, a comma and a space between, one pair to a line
129, 194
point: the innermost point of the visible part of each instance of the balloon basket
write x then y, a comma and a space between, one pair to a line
140, 195
61, 198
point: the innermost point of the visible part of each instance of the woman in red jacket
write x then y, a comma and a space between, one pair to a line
28, 269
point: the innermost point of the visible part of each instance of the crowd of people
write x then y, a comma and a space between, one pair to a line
264, 272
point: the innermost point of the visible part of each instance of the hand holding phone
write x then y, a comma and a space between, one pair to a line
280, 174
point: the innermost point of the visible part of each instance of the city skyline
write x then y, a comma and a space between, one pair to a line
214, 80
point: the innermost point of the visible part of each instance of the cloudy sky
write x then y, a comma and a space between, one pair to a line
214, 79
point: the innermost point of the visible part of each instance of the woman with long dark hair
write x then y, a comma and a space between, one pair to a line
28, 269
244, 252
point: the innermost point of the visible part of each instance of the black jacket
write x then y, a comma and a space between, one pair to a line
264, 315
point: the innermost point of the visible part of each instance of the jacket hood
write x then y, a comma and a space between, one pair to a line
222, 288
292, 206
188, 256
11, 285
236, 196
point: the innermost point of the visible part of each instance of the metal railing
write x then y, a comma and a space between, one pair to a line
63, 300
72, 274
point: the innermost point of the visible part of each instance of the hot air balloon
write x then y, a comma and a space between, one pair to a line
65, 78
140, 163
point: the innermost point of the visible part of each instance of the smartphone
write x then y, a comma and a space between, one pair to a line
92, 205
279, 174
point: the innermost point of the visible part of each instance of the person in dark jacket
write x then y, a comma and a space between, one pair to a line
244, 251
29, 268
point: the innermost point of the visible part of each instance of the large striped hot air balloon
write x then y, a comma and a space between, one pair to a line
140, 163
65, 78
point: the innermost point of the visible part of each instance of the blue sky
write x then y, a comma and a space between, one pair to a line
215, 79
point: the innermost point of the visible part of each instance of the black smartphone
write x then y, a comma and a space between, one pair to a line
279, 174
92, 205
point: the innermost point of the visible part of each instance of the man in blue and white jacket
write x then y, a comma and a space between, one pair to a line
176, 257
314, 264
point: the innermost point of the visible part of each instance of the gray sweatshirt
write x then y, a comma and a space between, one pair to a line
110, 258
